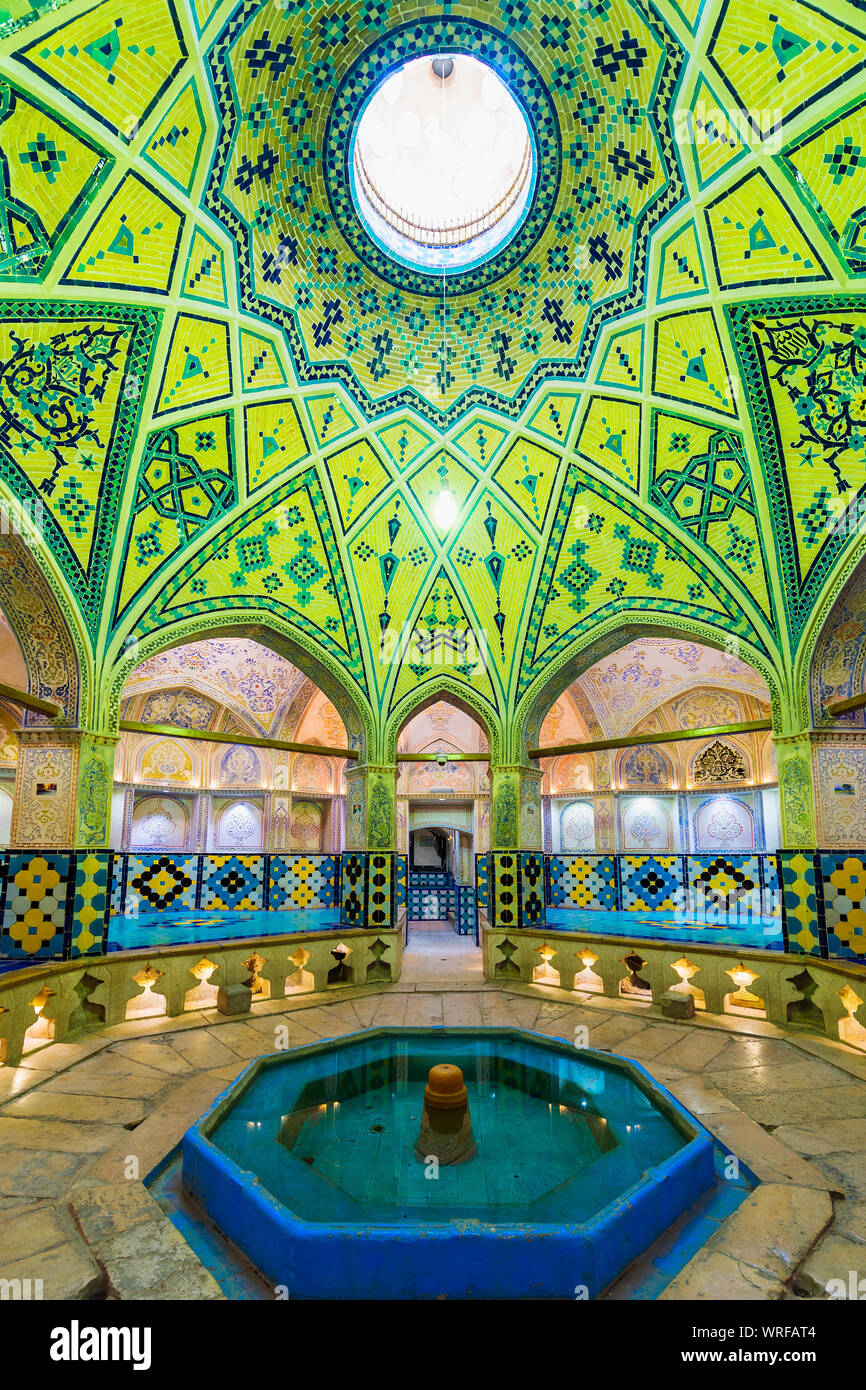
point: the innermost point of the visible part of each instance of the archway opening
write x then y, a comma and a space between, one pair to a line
660, 794
178, 790
443, 811
711, 794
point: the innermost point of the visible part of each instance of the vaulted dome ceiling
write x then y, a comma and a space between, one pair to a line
234, 406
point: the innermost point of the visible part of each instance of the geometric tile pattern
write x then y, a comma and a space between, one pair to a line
232, 881
465, 911
161, 881
401, 882
482, 870
429, 904
805, 933
583, 880
650, 882
119, 864
717, 883
368, 889
516, 897
353, 888
90, 903
301, 880
843, 881
36, 904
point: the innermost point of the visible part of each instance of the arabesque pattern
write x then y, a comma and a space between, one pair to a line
231, 406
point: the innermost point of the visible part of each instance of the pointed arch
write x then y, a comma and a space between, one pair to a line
445, 688
837, 665
269, 632
47, 632
616, 632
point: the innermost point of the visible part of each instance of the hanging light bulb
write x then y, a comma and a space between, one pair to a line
445, 510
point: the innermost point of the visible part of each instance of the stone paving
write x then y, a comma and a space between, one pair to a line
82, 1122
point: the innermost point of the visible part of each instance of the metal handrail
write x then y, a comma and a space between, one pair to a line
447, 234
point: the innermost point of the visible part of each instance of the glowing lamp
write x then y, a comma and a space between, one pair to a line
445, 510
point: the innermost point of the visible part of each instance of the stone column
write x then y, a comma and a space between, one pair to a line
63, 787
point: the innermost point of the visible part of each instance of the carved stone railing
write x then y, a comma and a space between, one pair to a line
55, 1001
826, 998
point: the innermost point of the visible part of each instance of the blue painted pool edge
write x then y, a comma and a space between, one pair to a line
464, 1260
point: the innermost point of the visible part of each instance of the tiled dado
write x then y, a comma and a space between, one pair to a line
55, 906
234, 882
819, 897
515, 893
668, 882
372, 888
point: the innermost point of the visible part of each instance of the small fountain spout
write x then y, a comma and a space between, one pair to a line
446, 1125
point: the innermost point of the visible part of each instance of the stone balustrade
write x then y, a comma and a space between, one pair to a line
58, 1000
826, 997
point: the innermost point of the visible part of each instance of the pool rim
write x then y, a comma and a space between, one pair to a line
676, 1182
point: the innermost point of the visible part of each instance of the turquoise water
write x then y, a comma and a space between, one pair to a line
167, 928
177, 928
332, 1136
761, 933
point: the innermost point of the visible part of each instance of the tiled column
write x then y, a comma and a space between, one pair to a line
63, 787
516, 895
516, 799
371, 807
796, 800
369, 866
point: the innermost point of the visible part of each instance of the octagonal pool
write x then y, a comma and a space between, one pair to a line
309, 1163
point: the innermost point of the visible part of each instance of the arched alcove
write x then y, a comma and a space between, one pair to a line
45, 632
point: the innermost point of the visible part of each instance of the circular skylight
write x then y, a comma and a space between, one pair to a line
443, 164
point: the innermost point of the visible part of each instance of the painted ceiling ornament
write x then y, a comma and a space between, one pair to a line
645, 766
720, 763
48, 391
440, 714
552, 721
494, 563
166, 762
181, 708
818, 368
240, 765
